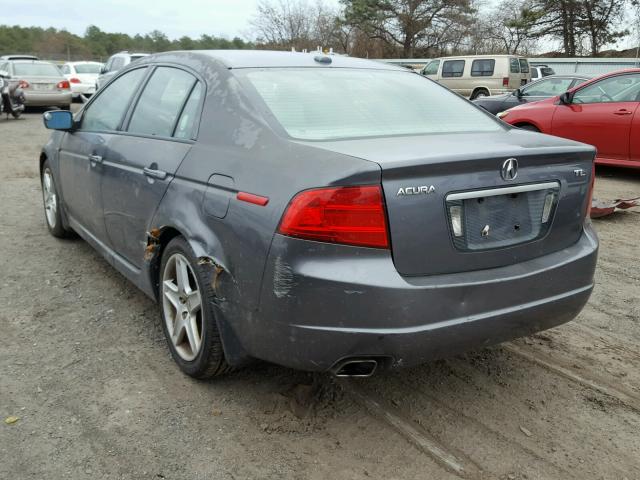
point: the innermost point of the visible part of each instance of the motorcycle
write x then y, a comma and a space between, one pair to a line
11, 97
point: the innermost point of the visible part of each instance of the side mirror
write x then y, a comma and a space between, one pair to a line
566, 98
518, 93
58, 120
4, 74
103, 70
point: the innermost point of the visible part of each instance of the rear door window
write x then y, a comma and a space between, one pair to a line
161, 102
483, 67
107, 111
524, 65
514, 65
187, 127
452, 68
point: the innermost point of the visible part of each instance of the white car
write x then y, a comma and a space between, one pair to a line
82, 77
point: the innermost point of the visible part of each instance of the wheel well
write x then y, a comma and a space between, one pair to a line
525, 125
157, 241
479, 89
43, 158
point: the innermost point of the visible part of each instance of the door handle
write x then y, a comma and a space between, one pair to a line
95, 158
623, 112
150, 172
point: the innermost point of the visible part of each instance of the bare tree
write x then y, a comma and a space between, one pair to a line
296, 23
410, 24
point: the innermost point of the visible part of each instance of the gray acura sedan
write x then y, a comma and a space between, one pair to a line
320, 212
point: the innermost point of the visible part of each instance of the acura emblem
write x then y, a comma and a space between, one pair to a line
509, 170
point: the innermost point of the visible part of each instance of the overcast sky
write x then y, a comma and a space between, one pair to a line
176, 18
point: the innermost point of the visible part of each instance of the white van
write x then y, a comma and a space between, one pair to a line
476, 76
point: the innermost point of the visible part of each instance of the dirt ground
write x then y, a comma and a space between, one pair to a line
85, 368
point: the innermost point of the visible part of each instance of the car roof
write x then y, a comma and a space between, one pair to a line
82, 63
32, 61
585, 76
270, 58
18, 57
489, 55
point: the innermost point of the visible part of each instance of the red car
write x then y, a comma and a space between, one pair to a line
602, 112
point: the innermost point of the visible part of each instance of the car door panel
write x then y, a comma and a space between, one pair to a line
141, 162
599, 124
634, 144
601, 114
130, 195
80, 172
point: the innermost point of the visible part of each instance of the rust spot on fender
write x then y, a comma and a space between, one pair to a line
153, 242
218, 271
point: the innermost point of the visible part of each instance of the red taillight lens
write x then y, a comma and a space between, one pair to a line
74, 80
505, 81
590, 195
23, 84
348, 215
63, 85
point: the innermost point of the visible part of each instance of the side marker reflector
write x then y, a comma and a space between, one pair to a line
251, 198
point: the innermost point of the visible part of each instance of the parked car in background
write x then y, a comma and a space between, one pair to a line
602, 112
18, 56
116, 63
540, 71
82, 77
380, 221
42, 83
477, 76
532, 92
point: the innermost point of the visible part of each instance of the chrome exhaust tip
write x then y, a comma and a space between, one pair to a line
355, 367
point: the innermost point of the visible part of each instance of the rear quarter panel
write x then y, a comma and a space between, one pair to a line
237, 150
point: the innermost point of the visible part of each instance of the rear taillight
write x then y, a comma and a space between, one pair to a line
347, 215
74, 80
505, 81
63, 85
23, 84
590, 195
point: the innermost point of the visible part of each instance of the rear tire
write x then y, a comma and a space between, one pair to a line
529, 127
188, 319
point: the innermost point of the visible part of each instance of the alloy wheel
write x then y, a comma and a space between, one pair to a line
50, 198
182, 307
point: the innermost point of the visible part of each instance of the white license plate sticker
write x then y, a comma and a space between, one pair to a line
42, 86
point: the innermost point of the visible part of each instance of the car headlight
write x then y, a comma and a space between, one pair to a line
502, 114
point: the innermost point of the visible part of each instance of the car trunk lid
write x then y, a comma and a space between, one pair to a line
423, 177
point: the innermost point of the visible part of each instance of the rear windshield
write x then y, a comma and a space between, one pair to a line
524, 65
36, 70
328, 104
88, 68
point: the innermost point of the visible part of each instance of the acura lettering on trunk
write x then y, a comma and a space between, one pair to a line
275, 206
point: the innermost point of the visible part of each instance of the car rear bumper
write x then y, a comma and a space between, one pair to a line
47, 99
323, 303
86, 89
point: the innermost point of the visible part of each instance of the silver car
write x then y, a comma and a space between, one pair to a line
42, 82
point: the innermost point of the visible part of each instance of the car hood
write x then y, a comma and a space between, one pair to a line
538, 104
493, 98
